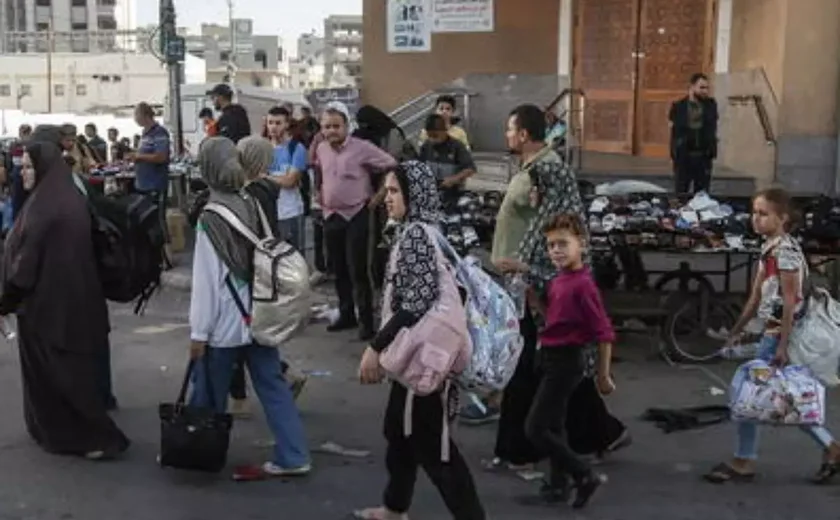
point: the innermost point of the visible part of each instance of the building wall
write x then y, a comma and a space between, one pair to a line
524, 43
797, 46
79, 82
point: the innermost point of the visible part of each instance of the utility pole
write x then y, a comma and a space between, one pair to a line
232, 55
50, 50
173, 47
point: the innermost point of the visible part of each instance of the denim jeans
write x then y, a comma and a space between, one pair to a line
291, 230
747, 446
265, 367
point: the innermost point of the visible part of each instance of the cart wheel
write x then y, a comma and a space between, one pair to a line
695, 330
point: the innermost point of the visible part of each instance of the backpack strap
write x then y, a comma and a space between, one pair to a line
234, 221
246, 316
264, 222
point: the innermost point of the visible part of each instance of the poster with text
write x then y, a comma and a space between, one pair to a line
409, 26
462, 15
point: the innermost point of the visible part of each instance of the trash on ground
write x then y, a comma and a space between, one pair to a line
332, 448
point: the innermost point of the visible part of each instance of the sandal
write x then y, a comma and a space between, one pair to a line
723, 473
378, 513
826, 473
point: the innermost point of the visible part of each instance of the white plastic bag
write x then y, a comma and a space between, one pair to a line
779, 396
815, 341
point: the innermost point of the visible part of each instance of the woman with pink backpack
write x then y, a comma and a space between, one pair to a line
420, 299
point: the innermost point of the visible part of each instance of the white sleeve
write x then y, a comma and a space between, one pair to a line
207, 281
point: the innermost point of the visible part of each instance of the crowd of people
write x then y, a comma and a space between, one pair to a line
350, 175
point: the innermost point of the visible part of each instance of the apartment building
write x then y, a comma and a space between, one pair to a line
254, 58
342, 47
67, 25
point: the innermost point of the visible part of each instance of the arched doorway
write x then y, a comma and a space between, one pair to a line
633, 58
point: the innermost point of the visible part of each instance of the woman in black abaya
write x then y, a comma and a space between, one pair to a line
50, 281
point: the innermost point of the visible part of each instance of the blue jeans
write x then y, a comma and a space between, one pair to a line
747, 447
265, 367
291, 230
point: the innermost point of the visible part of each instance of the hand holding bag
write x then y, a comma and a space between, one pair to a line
193, 438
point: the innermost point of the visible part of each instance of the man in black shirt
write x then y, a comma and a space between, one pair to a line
694, 121
233, 123
309, 125
448, 158
97, 145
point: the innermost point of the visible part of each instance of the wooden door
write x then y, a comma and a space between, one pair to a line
676, 40
604, 67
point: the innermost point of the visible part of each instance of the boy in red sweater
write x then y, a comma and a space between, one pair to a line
574, 316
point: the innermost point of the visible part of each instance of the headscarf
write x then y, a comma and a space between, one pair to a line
222, 171
421, 192
373, 125
414, 281
557, 185
256, 154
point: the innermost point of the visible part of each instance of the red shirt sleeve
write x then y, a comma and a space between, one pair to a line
593, 312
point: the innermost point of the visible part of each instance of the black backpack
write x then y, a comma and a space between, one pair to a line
128, 241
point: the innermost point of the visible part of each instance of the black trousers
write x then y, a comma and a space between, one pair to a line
378, 256
512, 445
692, 173
347, 246
322, 261
405, 455
590, 426
561, 370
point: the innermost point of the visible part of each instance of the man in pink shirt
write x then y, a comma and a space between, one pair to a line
346, 164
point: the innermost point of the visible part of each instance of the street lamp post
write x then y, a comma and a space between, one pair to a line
232, 54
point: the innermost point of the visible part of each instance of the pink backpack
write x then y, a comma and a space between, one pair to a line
424, 357
438, 346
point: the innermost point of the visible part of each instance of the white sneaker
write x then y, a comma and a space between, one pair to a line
273, 470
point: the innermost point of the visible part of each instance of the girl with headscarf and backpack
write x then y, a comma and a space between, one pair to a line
415, 425
220, 332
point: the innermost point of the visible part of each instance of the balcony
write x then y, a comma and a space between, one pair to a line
344, 38
348, 57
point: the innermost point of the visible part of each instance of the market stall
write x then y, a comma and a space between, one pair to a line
684, 312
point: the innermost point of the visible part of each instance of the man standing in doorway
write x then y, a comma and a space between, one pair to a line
693, 120
233, 123
346, 166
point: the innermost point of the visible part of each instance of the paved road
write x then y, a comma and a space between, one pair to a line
654, 479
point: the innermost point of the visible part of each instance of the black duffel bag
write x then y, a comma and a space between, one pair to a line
193, 438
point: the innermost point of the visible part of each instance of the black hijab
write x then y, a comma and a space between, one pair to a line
49, 262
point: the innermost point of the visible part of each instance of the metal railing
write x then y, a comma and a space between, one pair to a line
411, 115
757, 102
572, 102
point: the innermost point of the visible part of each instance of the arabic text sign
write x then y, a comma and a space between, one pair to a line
462, 15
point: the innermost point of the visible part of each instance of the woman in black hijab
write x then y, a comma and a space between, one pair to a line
51, 282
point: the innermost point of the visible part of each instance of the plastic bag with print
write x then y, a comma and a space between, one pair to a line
815, 340
789, 396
